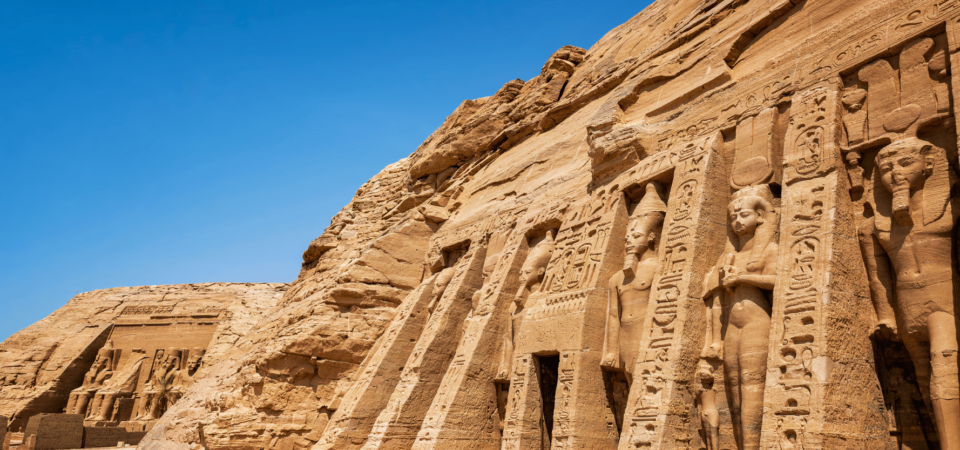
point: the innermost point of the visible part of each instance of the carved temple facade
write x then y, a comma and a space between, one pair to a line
771, 264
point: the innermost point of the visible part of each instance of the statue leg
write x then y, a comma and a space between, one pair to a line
920, 355
754, 341
944, 383
95, 406
710, 419
72, 403
83, 399
106, 406
731, 371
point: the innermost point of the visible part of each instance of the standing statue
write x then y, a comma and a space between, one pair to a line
744, 278
707, 406
439, 286
918, 245
629, 290
531, 276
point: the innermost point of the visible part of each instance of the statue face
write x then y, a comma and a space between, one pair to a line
744, 220
902, 168
441, 281
643, 231
527, 275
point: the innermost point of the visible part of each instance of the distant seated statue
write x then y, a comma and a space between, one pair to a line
185, 376
120, 385
100, 372
158, 392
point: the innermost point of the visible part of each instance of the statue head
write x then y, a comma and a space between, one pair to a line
645, 225
196, 355
750, 208
535, 266
441, 281
173, 359
910, 165
104, 356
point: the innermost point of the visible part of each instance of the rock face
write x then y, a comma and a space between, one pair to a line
98, 343
726, 225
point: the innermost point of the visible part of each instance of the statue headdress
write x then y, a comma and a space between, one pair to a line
652, 200
936, 191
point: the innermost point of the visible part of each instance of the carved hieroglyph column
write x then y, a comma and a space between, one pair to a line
565, 320
660, 412
350, 425
822, 391
398, 423
464, 412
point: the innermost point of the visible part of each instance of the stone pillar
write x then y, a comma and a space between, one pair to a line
398, 423
464, 412
660, 412
351, 423
523, 427
566, 318
821, 389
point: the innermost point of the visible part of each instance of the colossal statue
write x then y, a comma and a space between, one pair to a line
629, 289
440, 282
100, 372
912, 234
123, 384
158, 396
531, 277
744, 277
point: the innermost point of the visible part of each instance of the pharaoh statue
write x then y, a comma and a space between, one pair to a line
912, 234
743, 280
100, 372
439, 285
123, 384
707, 406
630, 288
531, 276
185, 376
157, 395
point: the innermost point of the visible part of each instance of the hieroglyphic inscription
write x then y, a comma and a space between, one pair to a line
869, 44
146, 310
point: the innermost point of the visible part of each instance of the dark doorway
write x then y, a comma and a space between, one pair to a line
549, 366
617, 389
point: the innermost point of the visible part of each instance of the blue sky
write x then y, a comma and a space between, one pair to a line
194, 141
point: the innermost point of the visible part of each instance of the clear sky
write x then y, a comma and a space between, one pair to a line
166, 142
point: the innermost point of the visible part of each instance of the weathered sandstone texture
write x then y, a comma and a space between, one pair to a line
99, 348
729, 224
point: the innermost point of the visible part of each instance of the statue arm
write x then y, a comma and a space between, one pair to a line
611, 336
881, 279
767, 278
711, 282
